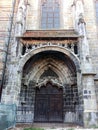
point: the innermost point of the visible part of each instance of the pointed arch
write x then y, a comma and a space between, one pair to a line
66, 52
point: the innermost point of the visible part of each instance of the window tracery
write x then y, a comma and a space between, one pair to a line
50, 14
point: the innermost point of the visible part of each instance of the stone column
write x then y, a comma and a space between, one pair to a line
73, 14
89, 96
86, 64
19, 28
21, 18
87, 72
77, 7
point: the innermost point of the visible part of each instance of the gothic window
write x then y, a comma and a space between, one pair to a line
50, 14
97, 10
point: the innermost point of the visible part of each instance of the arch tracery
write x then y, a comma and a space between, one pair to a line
64, 69
68, 53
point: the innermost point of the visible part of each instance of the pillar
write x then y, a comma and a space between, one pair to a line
87, 72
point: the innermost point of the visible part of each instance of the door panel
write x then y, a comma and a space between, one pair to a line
48, 104
55, 113
40, 109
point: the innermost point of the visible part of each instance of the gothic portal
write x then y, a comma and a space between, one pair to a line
50, 66
49, 91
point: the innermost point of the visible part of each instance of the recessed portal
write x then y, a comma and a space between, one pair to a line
49, 91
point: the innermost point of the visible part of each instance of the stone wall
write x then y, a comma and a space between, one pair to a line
27, 17
91, 28
7, 25
5, 12
67, 22
33, 19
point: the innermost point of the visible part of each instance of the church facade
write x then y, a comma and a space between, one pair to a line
49, 60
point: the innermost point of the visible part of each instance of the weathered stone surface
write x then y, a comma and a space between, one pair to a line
80, 65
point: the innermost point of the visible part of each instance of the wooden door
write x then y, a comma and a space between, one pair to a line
48, 104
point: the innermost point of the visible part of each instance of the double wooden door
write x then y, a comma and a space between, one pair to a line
48, 104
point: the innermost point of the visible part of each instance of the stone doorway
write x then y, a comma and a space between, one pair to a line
48, 104
58, 69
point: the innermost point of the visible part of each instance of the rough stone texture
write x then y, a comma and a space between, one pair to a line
4, 18
58, 129
79, 15
52, 126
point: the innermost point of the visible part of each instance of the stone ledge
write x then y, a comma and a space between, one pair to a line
50, 33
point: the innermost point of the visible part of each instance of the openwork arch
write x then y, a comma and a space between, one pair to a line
68, 53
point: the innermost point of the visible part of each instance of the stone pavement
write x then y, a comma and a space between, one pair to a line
71, 128
52, 127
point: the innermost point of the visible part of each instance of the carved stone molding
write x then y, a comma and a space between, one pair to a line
45, 80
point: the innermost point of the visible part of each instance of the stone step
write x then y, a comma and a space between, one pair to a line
47, 126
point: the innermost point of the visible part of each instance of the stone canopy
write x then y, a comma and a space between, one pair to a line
50, 33
54, 36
